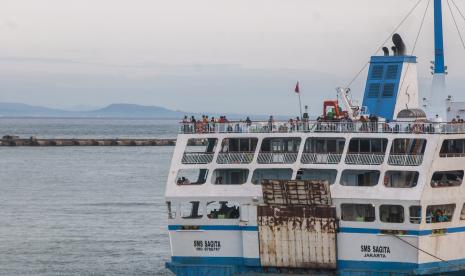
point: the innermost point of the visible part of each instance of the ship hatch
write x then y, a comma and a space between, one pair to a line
297, 225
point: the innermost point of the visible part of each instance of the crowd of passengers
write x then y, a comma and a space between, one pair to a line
211, 125
324, 124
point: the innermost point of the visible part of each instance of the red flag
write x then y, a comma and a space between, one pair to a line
297, 90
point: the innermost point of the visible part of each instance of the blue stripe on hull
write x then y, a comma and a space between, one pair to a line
370, 267
341, 229
193, 266
217, 227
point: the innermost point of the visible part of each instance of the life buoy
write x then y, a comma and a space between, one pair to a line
199, 127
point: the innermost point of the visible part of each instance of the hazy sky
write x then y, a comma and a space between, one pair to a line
235, 56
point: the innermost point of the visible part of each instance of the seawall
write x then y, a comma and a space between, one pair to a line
58, 142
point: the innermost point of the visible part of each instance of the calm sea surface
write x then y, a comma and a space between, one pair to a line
84, 210
88, 128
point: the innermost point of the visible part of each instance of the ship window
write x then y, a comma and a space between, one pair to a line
191, 210
359, 178
462, 213
439, 213
361, 145
324, 145
199, 151
453, 148
278, 151
405, 146
222, 210
192, 176
391, 213
280, 145
447, 179
239, 145
230, 176
358, 212
415, 214
388, 90
377, 72
171, 210
401, 179
271, 174
391, 72
374, 89
317, 175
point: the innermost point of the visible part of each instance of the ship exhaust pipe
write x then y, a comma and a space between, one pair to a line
399, 45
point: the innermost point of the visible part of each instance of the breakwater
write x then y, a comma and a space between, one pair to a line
14, 141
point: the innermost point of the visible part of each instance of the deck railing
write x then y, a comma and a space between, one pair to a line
451, 154
321, 158
322, 126
277, 157
405, 159
197, 157
235, 157
364, 158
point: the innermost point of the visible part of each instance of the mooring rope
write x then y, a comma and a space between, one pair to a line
416, 247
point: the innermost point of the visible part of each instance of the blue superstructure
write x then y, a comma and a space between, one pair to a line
384, 83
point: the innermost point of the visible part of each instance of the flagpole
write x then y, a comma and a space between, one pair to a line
297, 90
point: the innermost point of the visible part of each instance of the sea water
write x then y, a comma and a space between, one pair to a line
84, 210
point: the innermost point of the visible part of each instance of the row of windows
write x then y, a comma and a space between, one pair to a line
312, 145
392, 179
349, 212
404, 152
449, 147
396, 214
213, 210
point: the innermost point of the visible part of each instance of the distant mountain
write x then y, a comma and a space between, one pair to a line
25, 110
134, 110
113, 110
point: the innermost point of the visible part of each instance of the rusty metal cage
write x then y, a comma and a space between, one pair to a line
297, 225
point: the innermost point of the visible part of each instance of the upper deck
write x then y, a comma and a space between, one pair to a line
395, 127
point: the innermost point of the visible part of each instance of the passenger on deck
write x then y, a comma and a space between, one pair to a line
248, 121
185, 124
440, 216
306, 119
206, 124
219, 180
271, 124
291, 124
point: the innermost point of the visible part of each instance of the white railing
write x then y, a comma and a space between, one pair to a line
277, 158
321, 158
197, 158
235, 157
451, 154
323, 126
364, 158
405, 159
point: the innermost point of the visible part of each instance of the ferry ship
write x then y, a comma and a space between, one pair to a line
374, 189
